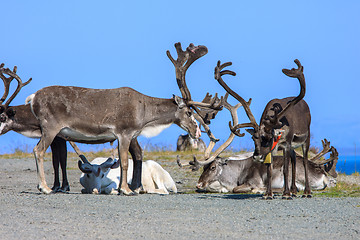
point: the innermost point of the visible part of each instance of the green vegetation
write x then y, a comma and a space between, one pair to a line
342, 189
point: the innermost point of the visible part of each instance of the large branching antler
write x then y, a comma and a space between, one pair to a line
235, 126
330, 165
207, 114
183, 62
7, 81
317, 159
219, 72
273, 121
208, 159
208, 108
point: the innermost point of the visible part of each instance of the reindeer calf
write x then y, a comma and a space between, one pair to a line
102, 175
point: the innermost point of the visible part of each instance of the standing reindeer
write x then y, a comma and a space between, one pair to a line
285, 122
21, 120
102, 115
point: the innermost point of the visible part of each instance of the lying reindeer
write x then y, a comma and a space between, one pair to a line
240, 174
185, 143
102, 175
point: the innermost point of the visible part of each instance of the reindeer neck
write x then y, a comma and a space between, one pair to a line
159, 115
24, 122
160, 111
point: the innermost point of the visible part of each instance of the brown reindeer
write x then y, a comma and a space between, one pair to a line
98, 115
20, 119
286, 121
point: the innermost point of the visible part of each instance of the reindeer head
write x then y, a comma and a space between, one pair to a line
209, 179
185, 118
7, 113
94, 174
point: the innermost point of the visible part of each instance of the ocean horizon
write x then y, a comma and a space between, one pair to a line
348, 164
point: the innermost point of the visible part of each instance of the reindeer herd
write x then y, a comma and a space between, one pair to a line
57, 114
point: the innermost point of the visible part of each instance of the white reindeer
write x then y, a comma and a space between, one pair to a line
102, 175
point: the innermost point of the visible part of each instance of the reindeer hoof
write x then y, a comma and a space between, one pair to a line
44, 189
306, 196
132, 194
267, 197
287, 197
60, 190
55, 189
128, 193
65, 188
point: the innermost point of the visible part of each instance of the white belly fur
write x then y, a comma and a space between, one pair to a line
152, 131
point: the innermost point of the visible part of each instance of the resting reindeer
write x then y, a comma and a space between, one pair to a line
285, 122
102, 175
187, 143
103, 115
240, 174
21, 120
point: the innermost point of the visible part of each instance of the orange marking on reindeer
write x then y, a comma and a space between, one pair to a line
268, 157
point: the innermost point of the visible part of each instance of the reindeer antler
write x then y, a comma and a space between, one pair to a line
207, 114
208, 159
7, 82
219, 72
330, 165
183, 62
326, 148
234, 126
294, 73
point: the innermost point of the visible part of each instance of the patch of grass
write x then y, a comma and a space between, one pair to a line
342, 189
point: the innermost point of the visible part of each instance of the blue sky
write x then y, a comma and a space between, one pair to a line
111, 44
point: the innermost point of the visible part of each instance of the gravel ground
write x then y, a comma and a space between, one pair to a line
27, 214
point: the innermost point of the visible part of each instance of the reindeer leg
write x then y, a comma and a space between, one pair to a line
123, 148
39, 152
56, 164
243, 188
65, 187
59, 156
286, 193
268, 194
136, 154
305, 149
293, 188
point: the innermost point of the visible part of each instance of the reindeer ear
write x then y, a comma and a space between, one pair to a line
10, 112
224, 161
251, 131
179, 101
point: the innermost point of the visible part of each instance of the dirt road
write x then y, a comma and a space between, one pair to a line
27, 214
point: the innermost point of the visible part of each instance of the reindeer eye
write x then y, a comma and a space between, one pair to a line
212, 168
102, 176
189, 113
87, 175
2, 118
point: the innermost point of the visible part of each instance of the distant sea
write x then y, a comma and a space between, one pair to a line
348, 164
